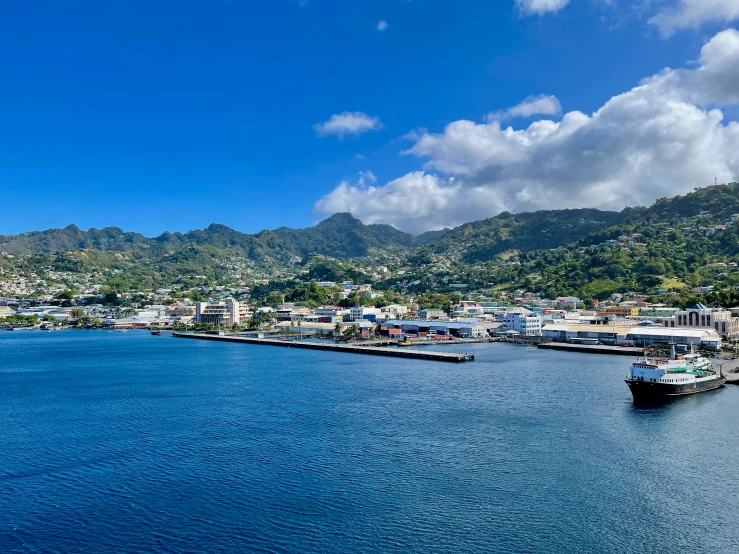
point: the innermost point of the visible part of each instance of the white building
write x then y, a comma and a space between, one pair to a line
700, 316
222, 314
395, 310
525, 324
467, 308
358, 312
704, 338
330, 311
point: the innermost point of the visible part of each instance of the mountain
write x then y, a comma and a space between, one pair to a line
341, 235
70, 238
676, 242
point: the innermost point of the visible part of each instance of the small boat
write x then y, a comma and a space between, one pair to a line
156, 333
405, 343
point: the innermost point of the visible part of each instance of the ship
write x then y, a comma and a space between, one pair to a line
680, 375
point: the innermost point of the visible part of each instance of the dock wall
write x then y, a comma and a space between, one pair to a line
396, 352
593, 348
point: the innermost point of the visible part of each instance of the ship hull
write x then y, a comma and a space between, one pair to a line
644, 390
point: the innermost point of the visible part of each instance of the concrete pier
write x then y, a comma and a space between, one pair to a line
729, 369
397, 352
594, 348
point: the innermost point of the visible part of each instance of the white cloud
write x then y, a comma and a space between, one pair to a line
684, 14
533, 105
661, 138
348, 123
366, 178
540, 7
382, 25
415, 202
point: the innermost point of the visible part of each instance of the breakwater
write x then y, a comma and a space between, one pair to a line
397, 352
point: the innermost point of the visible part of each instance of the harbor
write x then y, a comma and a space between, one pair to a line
396, 352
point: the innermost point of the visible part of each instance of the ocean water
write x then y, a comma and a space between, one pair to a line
125, 442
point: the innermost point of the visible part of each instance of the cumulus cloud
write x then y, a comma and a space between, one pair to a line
348, 123
682, 14
382, 25
540, 7
663, 137
533, 105
414, 202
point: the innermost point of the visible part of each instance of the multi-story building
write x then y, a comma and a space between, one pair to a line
526, 324
702, 316
657, 311
361, 312
222, 314
431, 313
395, 310
181, 311
466, 308
622, 311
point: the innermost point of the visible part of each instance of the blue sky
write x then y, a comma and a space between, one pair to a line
170, 115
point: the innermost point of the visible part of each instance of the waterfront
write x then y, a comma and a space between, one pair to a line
124, 442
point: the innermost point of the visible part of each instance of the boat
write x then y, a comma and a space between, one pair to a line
678, 375
405, 343
156, 333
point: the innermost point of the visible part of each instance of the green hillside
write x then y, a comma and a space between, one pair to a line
486, 239
676, 244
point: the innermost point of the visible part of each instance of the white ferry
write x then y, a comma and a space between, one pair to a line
653, 378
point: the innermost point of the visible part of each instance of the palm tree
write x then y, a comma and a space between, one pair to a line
351, 332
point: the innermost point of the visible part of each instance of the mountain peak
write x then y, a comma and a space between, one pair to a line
341, 217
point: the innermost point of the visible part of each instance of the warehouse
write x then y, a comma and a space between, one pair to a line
698, 337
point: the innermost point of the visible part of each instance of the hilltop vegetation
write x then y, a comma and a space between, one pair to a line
677, 244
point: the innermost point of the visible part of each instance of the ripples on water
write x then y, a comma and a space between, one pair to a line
124, 442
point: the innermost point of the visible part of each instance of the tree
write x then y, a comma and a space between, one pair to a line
76, 313
351, 332
65, 295
111, 298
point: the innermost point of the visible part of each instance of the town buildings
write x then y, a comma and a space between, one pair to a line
700, 316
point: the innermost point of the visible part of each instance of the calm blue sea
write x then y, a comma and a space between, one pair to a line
124, 442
